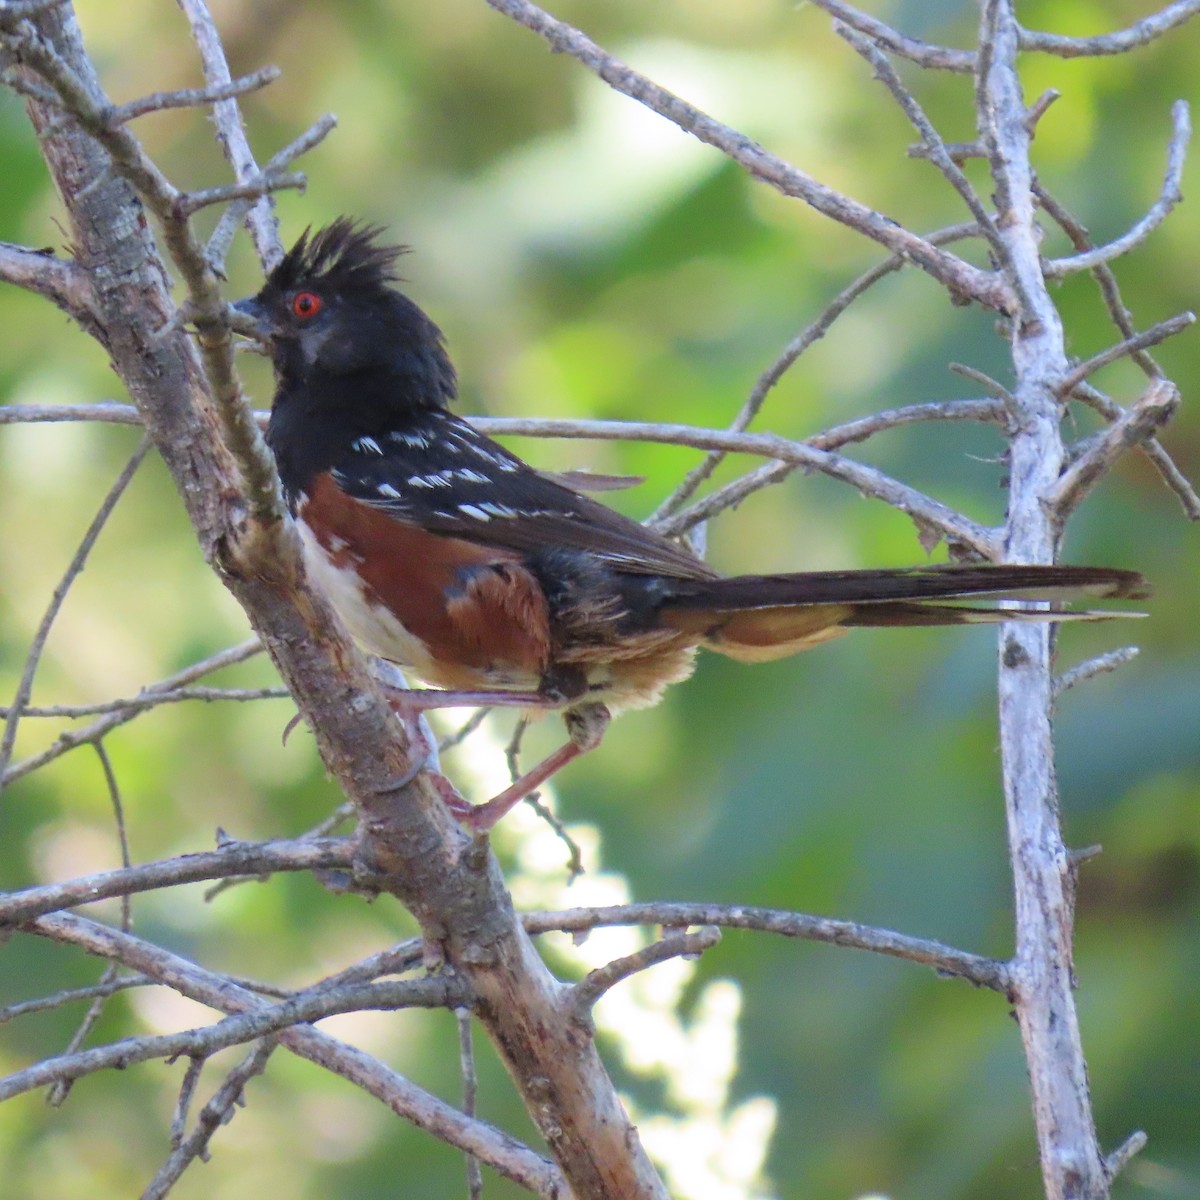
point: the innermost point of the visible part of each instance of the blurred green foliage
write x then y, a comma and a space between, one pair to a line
587, 259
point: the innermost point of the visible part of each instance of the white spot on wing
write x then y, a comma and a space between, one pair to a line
472, 510
367, 445
386, 489
418, 441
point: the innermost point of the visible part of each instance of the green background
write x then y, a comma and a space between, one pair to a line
586, 259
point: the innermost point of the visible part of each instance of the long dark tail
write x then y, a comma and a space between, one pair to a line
756, 617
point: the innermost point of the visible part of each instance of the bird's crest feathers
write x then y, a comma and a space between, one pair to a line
345, 255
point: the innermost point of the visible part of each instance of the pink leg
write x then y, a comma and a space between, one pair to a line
585, 724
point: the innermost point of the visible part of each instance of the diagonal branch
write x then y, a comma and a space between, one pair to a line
961, 278
97, 729
1141, 421
791, 353
34, 656
490, 1145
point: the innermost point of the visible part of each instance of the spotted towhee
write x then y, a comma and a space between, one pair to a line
447, 554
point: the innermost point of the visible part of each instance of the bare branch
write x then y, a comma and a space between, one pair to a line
97, 729
466, 1060
868, 480
193, 97
934, 148
33, 658
807, 455
734, 492
61, 281
1171, 475
84, 101
1106, 281
1120, 1158
1125, 349
58, 1094
303, 1008
212, 1116
222, 238
187, 1090
492, 1146
595, 983
791, 353
152, 700
259, 215
961, 278
941, 58
1040, 973
1139, 34
109, 412
1170, 195
984, 972
1100, 665
237, 858
252, 189
1141, 421
71, 996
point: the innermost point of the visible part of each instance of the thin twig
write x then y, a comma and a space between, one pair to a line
941, 58
812, 333
236, 858
109, 412
1100, 665
868, 480
497, 1149
1102, 273
1170, 474
70, 996
97, 729
1119, 1159
931, 140
1141, 421
464, 731
303, 1008
1139, 34
262, 185
222, 238
733, 493
983, 972
183, 1103
58, 1094
193, 97
595, 983
959, 276
1169, 196
147, 700
60, 280
212, 1116
34, 656
512, 759
466, 1064
1125, 348
258, 213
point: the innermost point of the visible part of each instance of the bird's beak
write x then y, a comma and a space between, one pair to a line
250, 319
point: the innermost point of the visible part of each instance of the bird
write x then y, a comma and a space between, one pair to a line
494, 583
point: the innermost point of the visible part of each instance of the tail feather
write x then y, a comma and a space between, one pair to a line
913, 583
760, 617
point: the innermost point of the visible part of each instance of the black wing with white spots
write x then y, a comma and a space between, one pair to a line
438, 472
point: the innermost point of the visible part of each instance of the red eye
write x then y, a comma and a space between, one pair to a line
306, 304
